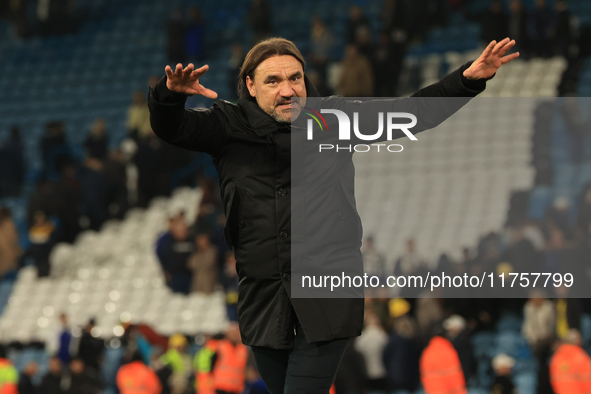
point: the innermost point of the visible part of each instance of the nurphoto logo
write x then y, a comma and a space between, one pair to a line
344, 132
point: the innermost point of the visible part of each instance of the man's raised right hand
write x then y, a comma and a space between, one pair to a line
187, 81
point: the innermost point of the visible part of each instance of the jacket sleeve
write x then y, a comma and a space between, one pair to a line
454, 84
198, 130
431, 106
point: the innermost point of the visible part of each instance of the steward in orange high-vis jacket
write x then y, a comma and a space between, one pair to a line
221, 364
570, 367
136, 377
8, 375
441, 371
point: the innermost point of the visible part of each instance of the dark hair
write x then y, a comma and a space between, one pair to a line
15, 132
265, 49
4, 213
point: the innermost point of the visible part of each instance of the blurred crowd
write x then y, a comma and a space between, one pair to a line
196, 258
407, 344
81, 188
406, 341
41, 17
370, 55
143, 361
544, 32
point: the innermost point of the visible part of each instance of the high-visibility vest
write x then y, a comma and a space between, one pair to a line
570, 370
228, 372
441, 371
8, 377
137, 378
203, 368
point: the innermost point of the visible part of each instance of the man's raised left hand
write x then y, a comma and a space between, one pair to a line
491, 59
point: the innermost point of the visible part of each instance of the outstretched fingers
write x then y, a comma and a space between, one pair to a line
508, 58
179, 70
200, 71
207, 92
500, 46
488, 50
188, 70
168, 71
506, 48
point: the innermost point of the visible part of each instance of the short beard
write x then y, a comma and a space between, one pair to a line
279, 119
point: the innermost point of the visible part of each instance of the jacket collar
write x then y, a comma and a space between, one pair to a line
261, 122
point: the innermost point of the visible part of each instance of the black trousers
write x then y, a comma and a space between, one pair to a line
308, 368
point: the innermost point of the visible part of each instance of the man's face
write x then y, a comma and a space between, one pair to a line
276, 81
55, 365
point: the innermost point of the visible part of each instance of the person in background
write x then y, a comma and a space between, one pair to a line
66, 198
570, 367
518, 28
584, 210
456, 332
494, 22
177, 359
387, 59
356, 78
259, 18
402, 353
10, 250
173, 250
371, 344
65, 339
175, 39
53, 381
117, 196
90, 349
234, 64
410, 261
202, 364
203, 263
153, 162
54, 149
8, 374
539, 319
138, 117
12, 164
538, 322
356, 21
322, 42
374, 262
84, 380
225, 360
135, 377
568, 312
97, 141
542, 21
195, 36
364, 43
441, 371
503, 366
25, 382
428, 310
164, 372
93, 188
316, 78
42, 236
563, 35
